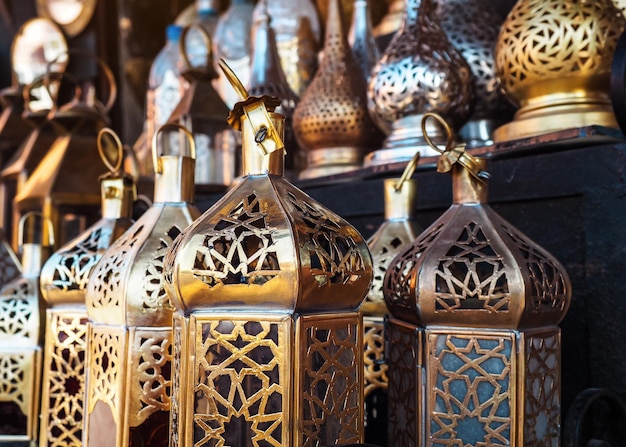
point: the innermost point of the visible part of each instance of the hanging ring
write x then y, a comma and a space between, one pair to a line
449, 143
22, 222
155, 139
182, 45
113, 168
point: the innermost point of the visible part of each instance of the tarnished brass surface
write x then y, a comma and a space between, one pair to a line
331, 121
266, 284
472, 28
20, 340
130, 329
485, 302
553, 59
63, 283
419, 72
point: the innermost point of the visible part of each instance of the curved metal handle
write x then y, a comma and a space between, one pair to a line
408, 172
113, 168
22, 222
233, 79
155, 139
44, 81
183, 47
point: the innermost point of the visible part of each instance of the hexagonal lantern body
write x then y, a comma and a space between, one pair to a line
267, 285
20, 341
398, 230
63, 282
10, 267
475, 308
130, 320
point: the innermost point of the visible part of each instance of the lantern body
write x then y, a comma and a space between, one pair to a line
9, 264
130, 328
63, 282
477, 304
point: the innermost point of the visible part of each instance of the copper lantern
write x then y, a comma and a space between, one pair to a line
474, 344
63, 282
130, 316
267, 285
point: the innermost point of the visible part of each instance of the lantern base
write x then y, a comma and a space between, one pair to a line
406, 139
331, 161
530, 121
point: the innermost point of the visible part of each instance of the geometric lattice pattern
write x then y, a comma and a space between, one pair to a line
548, 291
64, 381
334, 256
471, 275
105, 377
470, 386
153, 283
9, 265
553, 40
175, 396
14, 379
421, 72
152, 357
73, 266
239, 385
330, 392
19, 316
405, 387
110, 271
240, 249
374, 359
398, 282
542, 403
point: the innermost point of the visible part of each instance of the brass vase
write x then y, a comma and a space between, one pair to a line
553, 60
474, 353
331, 121
267, 285
129, 346
419, 72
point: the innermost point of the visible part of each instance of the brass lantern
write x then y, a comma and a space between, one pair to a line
397, 231
553, 59
474, 344
331, 121
10, 266
63, 282
64, 184
267, 285
130, 316
20, 338
202, 111
419, 72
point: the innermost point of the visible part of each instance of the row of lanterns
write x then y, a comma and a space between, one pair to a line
242, 326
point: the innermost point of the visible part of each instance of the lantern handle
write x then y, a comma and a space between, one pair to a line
233, 79
44, 81
408, 172
453, 153
22, 222
155, 139
113, 168
207, 42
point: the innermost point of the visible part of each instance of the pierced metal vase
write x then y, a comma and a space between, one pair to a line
475, 305
129, 348
361, 38
472, 28
553, 59
398, 230
419, 72
21, 336
63, 282
267, 285
331, 121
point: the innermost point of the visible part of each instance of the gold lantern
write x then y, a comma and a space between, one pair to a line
419, 72
202, 111
10, 266
553, 59
130, 316
64, 184
396, 232
20, 338
63, 282
474, 344
331, 121
267, 285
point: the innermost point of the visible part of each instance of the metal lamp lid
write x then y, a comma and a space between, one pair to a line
267, 246
471, 267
